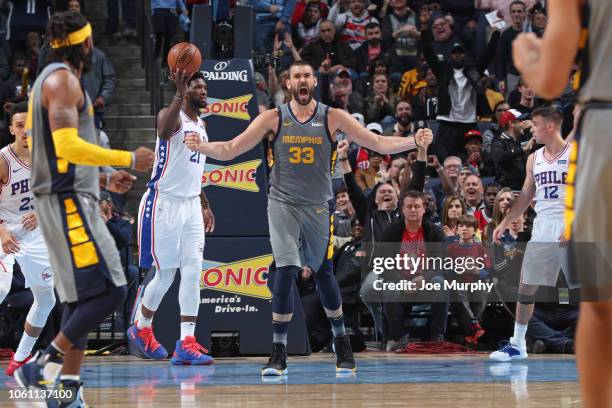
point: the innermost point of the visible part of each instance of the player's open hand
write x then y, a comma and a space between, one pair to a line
29, 221
144, 158
9, 243
120, 181
192, 141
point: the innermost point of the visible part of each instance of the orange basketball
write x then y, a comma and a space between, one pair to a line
185, 56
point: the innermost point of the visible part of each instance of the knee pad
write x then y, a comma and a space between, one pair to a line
189, 289
283, 279
329, 291
282, 301
157, 288
526, 299
44, 301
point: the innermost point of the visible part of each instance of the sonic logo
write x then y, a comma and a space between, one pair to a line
239, 176
236, 108
248, 277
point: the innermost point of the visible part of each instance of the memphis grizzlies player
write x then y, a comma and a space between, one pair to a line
546, 180
171, 225
302, 154
21, 237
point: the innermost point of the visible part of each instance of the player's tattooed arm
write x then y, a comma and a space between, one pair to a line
263, 124
341, 120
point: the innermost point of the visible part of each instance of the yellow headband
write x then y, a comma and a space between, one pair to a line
74, 38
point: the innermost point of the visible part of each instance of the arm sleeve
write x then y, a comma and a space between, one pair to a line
69, 146
356, 196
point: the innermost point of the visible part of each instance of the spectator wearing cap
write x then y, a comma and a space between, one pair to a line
342, 94
379, 105
300, 10
443, 38
351, 25
475, 156
306, 30
510, 150
326, 55
399, 30
506, 72
461, 94
494, 130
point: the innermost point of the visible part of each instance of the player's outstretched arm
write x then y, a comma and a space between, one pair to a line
522, 202
344, 122
168, 119
545, 63
263, 124
62, 96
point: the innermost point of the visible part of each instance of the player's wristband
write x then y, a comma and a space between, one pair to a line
133, 165
108, 177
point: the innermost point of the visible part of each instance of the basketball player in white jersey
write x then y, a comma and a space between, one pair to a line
545, 182
171, 223
21, 237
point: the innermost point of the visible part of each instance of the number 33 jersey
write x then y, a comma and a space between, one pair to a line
550, 178
16, 198
178, 171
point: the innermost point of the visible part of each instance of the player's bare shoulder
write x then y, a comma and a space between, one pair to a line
62, 84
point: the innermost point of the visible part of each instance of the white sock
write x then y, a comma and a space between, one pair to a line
520, 330
187, 329
70, 377
25, 347
143, 321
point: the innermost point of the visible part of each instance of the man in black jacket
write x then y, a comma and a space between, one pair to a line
327, 56
461, 91
510, 150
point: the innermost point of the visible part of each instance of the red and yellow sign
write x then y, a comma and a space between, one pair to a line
236, 108
240, 176
248, 277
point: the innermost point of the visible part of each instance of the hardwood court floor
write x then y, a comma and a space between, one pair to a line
383, 379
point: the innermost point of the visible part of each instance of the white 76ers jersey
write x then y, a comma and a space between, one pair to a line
16, 199
550, 180
178, 171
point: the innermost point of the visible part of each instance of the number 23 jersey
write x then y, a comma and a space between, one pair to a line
178, 171
16, 198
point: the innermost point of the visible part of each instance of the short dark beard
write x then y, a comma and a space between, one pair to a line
405, 122
296, 97
195, 102
374, 42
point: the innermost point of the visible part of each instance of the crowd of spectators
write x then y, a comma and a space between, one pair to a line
399, 66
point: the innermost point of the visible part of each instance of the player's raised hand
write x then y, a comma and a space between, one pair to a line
10, 245
120, 181
427, 137
29, 221
180, 78
143, 159
526, 51
192, 141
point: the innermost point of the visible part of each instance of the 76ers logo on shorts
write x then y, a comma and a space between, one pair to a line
46, 275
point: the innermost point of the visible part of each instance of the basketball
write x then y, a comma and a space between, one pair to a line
185, 56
